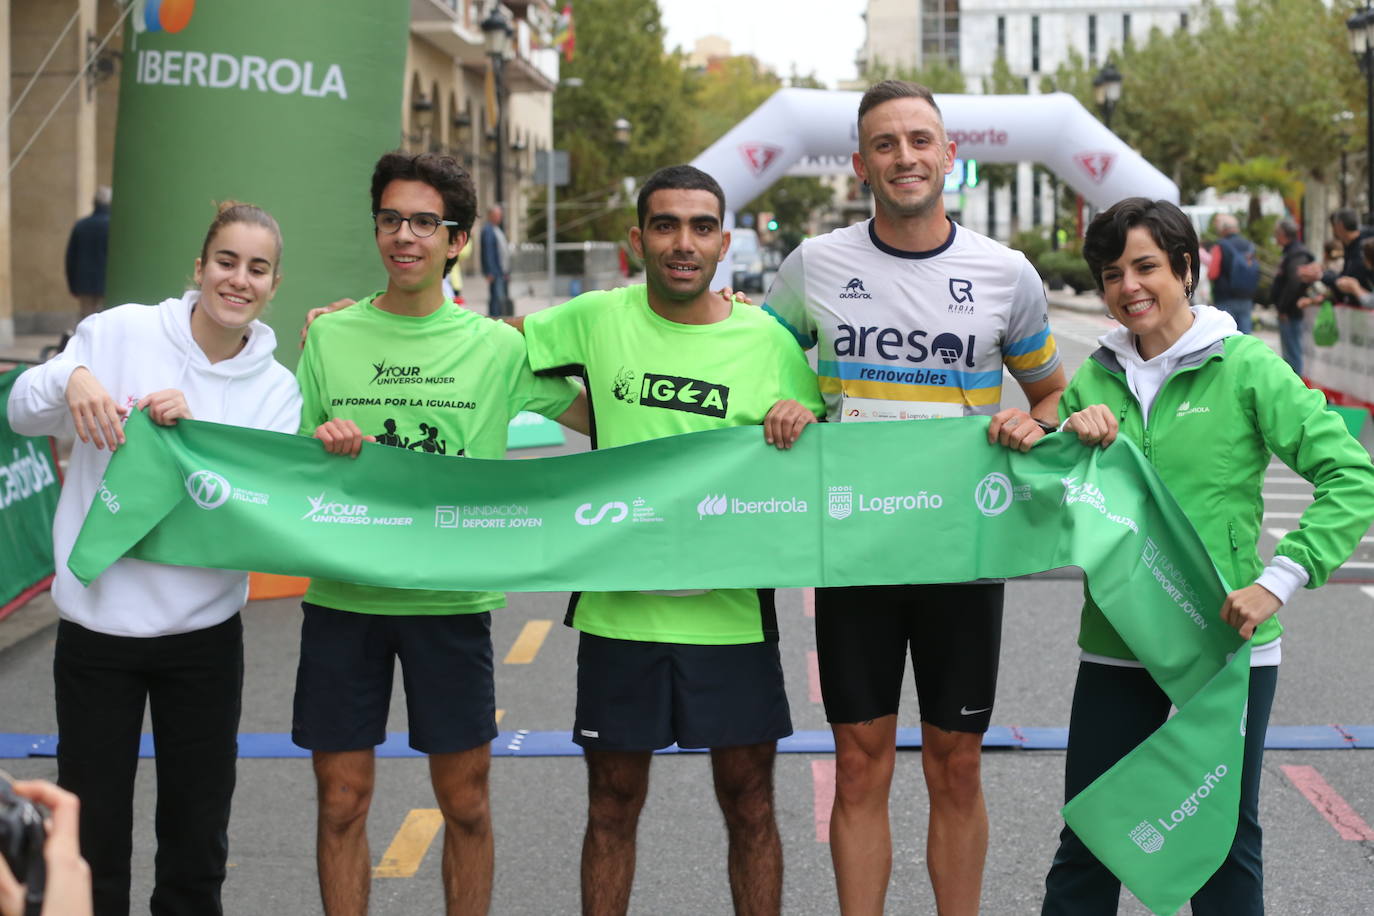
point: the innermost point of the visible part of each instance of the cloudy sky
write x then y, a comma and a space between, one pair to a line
820, 36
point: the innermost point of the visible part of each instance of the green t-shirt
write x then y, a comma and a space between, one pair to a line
444, 384
649, 377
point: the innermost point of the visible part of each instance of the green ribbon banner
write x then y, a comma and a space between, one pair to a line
28, 498
852, 504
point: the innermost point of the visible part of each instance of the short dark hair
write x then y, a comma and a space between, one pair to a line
677, 178
1170, 228
1346, 217
443, 174
887, 90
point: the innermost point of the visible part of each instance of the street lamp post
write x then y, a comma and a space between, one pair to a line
497, 32
1361, 27
1107, 91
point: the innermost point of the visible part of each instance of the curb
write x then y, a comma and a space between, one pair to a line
36, 615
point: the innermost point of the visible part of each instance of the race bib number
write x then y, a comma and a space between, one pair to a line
872, 410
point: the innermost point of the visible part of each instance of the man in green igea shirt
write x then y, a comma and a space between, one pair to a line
700, 669
407, 368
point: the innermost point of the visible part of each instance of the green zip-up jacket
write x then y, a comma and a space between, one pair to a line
1211, 430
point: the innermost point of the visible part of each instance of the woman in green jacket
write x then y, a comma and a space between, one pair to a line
1208, 406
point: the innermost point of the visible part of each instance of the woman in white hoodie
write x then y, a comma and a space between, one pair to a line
142, 634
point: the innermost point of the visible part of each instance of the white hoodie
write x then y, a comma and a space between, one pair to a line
135, 350
1282, 576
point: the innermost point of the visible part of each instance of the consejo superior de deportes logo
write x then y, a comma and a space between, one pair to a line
162, 15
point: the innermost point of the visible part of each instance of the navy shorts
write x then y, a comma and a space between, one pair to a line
343, 683
953, 632
641, 696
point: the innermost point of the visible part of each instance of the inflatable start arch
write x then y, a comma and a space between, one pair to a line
797, 127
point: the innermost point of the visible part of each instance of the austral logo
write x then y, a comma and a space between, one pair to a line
759, 156
673, 392
1097, 165
854, 289
163, 15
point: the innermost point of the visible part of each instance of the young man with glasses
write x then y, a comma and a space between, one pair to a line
406, 365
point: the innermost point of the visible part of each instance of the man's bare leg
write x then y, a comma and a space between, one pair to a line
957, 844
460, 787
343, 782
860, 833
617, 784
744, 787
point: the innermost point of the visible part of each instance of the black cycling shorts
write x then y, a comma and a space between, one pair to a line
954, 635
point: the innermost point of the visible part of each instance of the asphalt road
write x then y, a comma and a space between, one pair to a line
538, 802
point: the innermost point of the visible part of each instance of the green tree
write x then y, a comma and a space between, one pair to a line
624, 73
1254, 176
934, 75
1269, 80
727, 93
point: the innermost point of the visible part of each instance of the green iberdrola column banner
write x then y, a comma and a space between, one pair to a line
282, 104
28, 498
869, 503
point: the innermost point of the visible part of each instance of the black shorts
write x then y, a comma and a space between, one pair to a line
641, 696
343, 683
954, 633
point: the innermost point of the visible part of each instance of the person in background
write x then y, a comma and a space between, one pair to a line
1234, 272
1352, 279
87, 250
1287, 290
495, 256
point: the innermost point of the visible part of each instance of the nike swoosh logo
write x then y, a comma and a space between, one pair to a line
965, 711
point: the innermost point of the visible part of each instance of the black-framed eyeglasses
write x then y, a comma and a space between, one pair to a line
422, 224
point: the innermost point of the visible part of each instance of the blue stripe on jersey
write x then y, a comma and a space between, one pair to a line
968, 381
807, 342
1026, 344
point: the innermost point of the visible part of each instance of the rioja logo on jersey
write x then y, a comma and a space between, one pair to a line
673, 392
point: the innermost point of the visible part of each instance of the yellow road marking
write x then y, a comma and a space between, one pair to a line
402, 858
528, 642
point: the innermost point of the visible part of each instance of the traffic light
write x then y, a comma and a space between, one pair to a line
971, 173
772, 225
